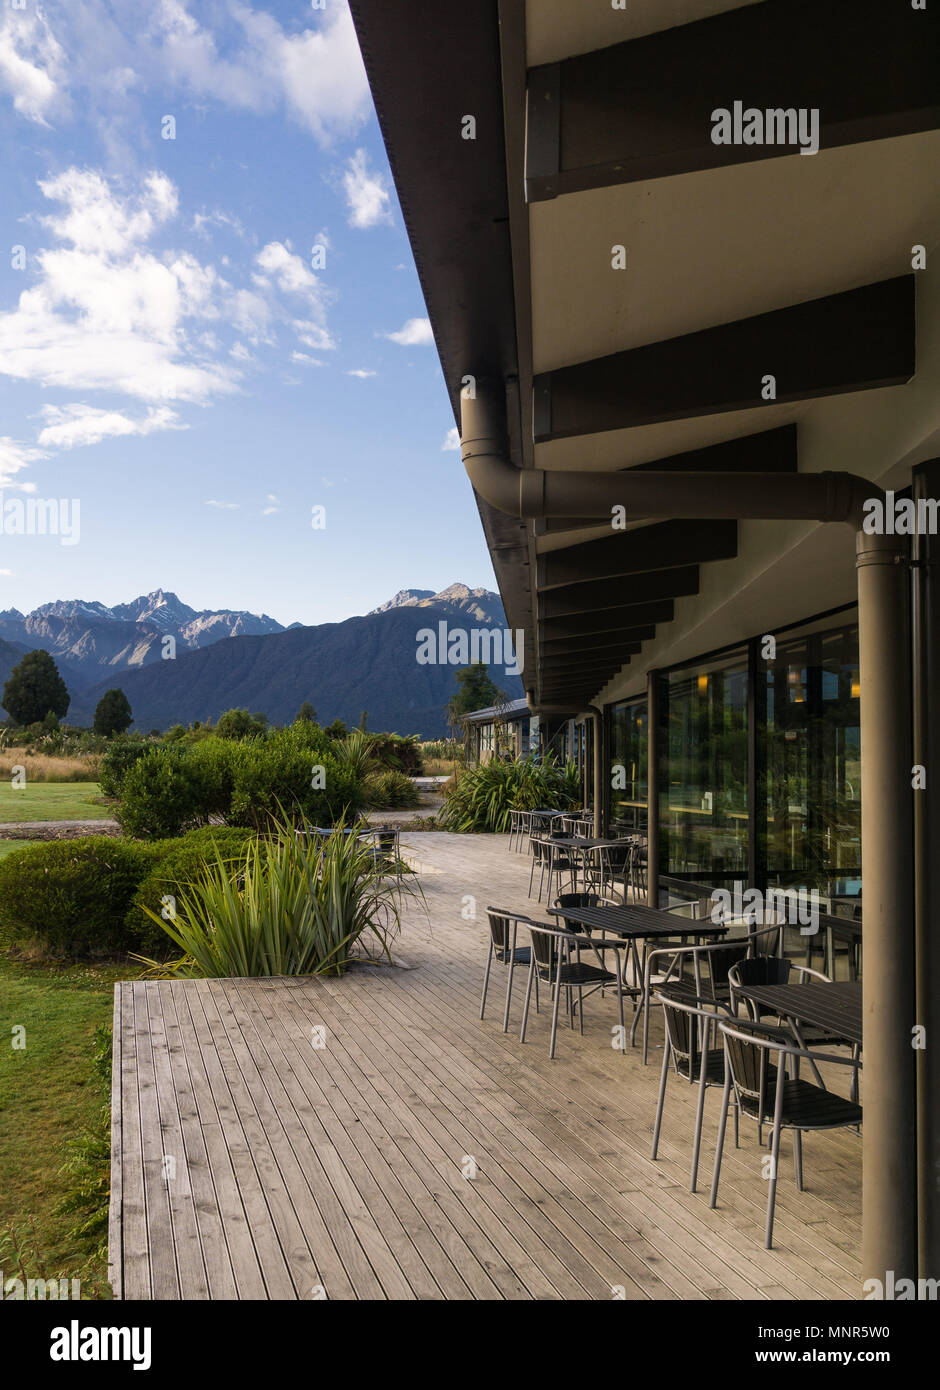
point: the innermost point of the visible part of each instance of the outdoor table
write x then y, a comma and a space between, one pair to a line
635, 922
583, 844
833, 1005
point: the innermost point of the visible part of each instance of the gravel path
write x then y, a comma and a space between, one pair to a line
57, 829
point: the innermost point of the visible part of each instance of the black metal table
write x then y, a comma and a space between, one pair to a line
835, 1006
844, 929
634, 922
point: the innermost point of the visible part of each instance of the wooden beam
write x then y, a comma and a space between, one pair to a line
596, 600
854, 341
635, 552
643, 109
598, 642
598, 625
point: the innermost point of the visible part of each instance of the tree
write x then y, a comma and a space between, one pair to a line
112, 713
364, 721
34, 688
238, 723
475, 690
306, 714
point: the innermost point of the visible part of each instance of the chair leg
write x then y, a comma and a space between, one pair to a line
699, 1113
667, 1050
512, 962
623, 1036
798, 1158
528, 995
551, 1049
581, 1010
722, 1123
486, 979
775, 1159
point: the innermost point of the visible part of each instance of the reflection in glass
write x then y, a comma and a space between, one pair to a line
704, 771
628, 766
813, 766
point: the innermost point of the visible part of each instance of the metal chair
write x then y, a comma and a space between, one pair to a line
702, 969
551, 962
776, 970
765, 1094
503, 929
696, 1054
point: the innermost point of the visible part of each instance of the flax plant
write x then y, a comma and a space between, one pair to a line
296, 903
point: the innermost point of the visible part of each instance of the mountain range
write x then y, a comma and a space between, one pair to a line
230, 659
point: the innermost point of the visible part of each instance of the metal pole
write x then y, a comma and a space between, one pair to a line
888, 1147
926, 616
652, 788
598, 719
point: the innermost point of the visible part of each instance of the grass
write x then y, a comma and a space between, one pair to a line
47, 767
49, 1096
11, 846
37, 801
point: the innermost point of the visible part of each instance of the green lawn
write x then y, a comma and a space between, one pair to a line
48, 1094
51, 801
10, 846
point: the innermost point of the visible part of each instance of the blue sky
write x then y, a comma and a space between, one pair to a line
170, 355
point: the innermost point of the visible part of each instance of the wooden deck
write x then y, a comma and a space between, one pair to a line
251, 1162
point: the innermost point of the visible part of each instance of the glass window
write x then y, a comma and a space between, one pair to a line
813, 766
704, 771
629, 737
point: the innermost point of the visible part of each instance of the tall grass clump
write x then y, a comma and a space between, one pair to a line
481, 798
293, 903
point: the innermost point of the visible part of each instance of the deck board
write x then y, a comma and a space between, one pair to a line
339, 1171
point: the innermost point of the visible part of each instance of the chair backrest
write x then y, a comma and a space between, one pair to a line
617, 858
749, 1061
580, 900
760, 970
500, 926
682, 1030
544, 948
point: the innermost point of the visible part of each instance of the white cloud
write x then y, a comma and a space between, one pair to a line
451, 440
305, 359
6, 573
13, 458
75, 426
415, 333
317, 75
246, 60
270, 511
314, 335
222, 506
32, 64
283, 269
367, 193
240, 353
106, 313
360, 372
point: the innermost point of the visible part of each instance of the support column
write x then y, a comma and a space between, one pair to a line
888, 1144
653, 720
926, 622
599, 799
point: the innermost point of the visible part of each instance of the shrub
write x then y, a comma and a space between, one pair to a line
160, 797
118, 761
291, 906
400, 754
72, 896
391, 790
238, 723
281, 778
481, 798
177, 865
